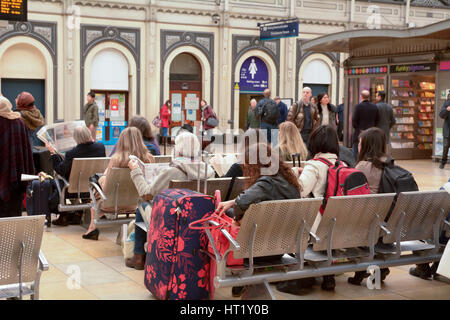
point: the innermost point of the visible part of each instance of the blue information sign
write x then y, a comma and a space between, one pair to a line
254, 76
280, 30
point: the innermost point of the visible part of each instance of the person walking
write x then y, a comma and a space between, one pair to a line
365, 116
208, 126
30, 115
304, 115
252, 121
340, 120
327, 111
165, 122
268, 111
445, 114
283, 109
386, 118
90, 112
17, 159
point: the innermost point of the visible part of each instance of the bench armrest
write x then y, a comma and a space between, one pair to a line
314, 237
43, 264
227, 235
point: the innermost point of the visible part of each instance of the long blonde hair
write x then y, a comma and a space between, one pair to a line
290, 140
130, 143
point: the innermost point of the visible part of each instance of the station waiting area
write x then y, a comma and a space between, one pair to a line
100, 267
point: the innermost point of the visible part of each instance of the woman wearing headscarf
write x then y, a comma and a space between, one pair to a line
31, 116
17, 159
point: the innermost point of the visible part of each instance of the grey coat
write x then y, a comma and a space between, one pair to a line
386, 118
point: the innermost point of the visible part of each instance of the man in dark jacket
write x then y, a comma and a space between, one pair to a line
90, 112
386, 117
282, 109
252, 120
340, 122
445, 114
267, 110
365, 116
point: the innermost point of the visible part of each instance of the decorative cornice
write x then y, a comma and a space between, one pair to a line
111, 5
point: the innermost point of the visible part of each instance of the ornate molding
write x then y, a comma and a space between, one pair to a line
45, 33
172, 39
92, 35
111, 5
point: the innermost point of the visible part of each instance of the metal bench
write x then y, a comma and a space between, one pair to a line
21, 260
82, 169
116, 200
350, 228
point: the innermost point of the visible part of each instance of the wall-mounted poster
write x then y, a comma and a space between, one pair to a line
117, 107
254, 76
176, 106
191, 101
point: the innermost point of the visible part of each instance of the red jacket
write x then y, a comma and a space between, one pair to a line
165, 114
207, 113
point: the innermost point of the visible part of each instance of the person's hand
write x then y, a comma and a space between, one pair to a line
133, 164
224, 206
50, 148
448, 108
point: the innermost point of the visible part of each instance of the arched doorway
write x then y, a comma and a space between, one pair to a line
17, 76
253, 80
185, 91
109, 78
317, 76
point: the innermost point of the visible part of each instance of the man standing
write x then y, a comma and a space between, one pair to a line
340, 120
253, 120
365, 116
90, 111
304, 115
445, 114
282, 109
267, 110
386, 117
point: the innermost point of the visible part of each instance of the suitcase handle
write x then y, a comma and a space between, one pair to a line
297, 156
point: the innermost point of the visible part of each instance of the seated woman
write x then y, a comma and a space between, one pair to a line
147, 135
254, 136
130, 143
291, 142
182, 167
85, 148
271, 181
371, 159
323, 143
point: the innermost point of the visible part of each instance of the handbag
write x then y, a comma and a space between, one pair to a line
212, 120
157, 121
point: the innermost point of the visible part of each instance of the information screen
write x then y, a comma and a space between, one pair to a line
13, 10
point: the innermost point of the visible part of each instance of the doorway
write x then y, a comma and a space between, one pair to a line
185, 92
12, 87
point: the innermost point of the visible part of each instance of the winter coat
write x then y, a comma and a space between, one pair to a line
252, 121
165, 114
386, 119
365, 116
444, 114
90, 111
298, 117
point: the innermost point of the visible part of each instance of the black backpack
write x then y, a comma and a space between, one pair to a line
395, 179
270, 112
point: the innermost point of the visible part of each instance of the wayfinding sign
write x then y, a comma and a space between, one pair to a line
278, 30
13, 10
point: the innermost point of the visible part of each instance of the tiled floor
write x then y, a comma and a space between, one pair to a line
104, 275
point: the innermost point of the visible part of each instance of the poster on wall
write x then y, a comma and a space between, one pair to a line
176, 106
100, 100
191, 102
254, 76
117, 107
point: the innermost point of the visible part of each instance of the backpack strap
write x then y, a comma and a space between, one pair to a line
230, 188
325, 161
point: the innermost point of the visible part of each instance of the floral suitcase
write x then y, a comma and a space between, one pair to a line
176, 266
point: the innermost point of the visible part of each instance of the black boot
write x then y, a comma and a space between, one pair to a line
297, 287
422, 271
358, 278
329, 283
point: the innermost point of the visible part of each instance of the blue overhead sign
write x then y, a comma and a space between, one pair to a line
279, 30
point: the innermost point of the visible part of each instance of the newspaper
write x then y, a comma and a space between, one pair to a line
60, 135
150, 170
222, 164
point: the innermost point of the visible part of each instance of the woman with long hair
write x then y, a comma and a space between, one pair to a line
290, 142
144, 127
371, 159
327, 111
130, 143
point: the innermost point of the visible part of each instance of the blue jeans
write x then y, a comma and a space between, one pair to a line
165, 132
271, 132
140, 236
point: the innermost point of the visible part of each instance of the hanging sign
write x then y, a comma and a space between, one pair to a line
279, 30
13, 10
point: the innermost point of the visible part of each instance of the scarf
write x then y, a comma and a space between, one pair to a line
5, 109
25, 101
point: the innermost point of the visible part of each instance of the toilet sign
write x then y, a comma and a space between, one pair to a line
254, 76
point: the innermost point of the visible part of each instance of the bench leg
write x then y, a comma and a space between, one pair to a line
260, 291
